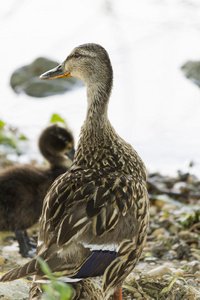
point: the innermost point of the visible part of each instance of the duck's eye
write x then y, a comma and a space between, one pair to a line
76, 55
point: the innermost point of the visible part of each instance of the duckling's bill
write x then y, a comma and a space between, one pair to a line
71, 153
57, 72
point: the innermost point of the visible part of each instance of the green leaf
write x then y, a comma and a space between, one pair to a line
55, 289
189, 218
45, 268
169, 287
130, 288
2, 124
48, 295
63, 289
148, 255
57, 118
23, 137
8, 138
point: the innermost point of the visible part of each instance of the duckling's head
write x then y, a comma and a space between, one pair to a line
90, 63
55, 142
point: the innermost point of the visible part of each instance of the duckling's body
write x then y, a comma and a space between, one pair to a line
30, 185
95, 217
23, 188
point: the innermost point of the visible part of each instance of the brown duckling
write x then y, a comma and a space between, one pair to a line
22, 188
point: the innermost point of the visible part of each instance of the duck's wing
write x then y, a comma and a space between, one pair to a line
82, 197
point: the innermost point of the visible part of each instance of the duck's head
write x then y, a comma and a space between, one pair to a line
90, 63
55, 142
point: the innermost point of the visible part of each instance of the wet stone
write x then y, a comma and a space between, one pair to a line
191, 70
26, 80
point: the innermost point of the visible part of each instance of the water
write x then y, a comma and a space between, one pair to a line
153, 106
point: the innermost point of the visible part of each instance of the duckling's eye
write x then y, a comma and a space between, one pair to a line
76, 55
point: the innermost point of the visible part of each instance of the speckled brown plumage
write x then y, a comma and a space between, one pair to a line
95, 217
23, 188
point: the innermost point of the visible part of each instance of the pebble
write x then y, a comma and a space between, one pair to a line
160, 232
197, 274
159, 249
193, 266
169, 207
153, 210
2, 261
179, 186
169, 255
159, 271
150, 259
191, 282
182, 251
12, 248
185, 235
183, 262
137, 295
174, 228
193, 246
178, 272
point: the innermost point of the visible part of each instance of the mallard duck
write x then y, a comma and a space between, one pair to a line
23, 188
95, 217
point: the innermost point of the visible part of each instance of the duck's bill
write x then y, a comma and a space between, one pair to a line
71, 153
58, 72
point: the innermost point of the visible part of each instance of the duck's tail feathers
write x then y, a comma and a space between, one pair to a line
28, 269
35, 292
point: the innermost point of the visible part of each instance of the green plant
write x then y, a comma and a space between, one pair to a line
57, 118
55, 290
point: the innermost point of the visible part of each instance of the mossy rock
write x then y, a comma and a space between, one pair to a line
191, 70
26, 80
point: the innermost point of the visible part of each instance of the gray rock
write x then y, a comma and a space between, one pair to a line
159, 249
26, 80
183, 250
191, 70
15, 290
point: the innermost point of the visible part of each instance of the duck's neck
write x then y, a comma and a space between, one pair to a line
96, 117
96, 130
